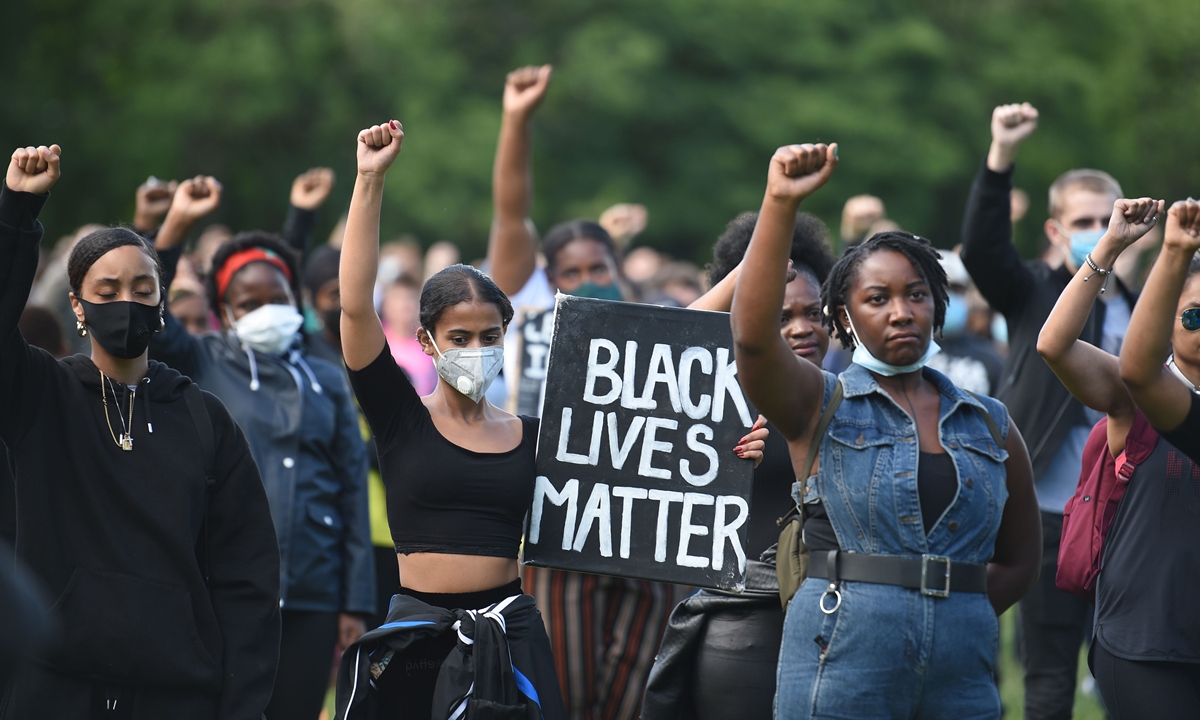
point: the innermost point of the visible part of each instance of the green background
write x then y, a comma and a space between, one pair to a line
677, 104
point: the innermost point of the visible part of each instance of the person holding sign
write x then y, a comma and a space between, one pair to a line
602, 666
459, 474
927, 488
719, 653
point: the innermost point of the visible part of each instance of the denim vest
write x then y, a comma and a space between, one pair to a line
867, 477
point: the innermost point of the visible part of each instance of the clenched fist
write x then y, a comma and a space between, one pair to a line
1011, 126
33, 170
797, 171
378, 147
310, 189
524, 89
196, 198
1183, 226
153, 201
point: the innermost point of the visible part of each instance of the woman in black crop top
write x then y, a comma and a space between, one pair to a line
459, 472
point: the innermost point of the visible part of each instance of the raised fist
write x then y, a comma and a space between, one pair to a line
1012, 124
525, 88
624, 221
1183, 226
33, 170
310, 189
195, 198
153, 202
1132, 219
797, 171
378, 147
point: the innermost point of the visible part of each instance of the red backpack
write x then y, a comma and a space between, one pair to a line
1090, 512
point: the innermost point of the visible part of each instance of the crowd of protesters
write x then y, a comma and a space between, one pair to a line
232, 458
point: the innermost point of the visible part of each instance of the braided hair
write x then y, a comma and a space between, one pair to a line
245, 241
98, 244
919, 251
810, 246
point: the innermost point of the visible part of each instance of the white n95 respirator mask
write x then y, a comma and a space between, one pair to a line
470, 371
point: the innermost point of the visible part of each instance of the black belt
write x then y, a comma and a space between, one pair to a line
933, 575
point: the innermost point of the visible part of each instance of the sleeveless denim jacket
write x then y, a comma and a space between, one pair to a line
867, 476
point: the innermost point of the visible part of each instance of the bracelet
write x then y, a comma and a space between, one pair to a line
1097, 270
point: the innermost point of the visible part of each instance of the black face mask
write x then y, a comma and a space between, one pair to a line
122, 328
332, 319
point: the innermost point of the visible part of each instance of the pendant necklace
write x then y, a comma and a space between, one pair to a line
125, 442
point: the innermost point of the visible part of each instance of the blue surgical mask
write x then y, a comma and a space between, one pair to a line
957, 311
862, 356
1084, 242
1000, 329
599, 292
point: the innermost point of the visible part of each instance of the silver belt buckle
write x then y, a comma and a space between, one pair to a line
941, 587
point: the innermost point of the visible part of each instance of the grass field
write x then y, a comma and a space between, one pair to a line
1012, 691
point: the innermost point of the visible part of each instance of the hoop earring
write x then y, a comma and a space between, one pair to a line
80, 328
162, 324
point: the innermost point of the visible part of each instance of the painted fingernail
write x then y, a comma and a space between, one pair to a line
738, 449
835, 150
393, 124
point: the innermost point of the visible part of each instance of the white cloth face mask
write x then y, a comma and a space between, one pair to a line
270, 329
470, 371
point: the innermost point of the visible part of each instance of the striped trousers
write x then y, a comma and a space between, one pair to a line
605, 632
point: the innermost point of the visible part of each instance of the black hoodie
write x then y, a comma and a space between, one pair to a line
114, 535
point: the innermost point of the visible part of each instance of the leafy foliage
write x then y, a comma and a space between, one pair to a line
676, 103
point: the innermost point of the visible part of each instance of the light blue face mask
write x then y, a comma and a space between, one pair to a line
1084, 242
1000, 329
957, 312
863, 356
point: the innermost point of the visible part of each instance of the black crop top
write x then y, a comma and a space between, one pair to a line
442, 498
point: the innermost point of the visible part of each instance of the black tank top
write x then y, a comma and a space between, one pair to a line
937, 484
442, 498
1150, 573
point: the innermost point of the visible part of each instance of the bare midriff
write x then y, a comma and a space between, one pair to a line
443, 573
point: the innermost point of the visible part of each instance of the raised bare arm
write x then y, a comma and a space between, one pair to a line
362, 332
1159, 394
512, 247
1090, 374
786, 390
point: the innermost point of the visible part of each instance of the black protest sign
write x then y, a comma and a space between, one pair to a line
534, 330
636, 472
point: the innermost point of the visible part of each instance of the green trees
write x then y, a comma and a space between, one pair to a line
674, 103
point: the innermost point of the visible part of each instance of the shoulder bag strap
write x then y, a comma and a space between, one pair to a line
822, 425
993, 428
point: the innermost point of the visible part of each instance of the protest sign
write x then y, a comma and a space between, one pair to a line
636, 473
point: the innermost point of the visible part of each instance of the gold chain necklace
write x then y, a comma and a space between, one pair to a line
126, 440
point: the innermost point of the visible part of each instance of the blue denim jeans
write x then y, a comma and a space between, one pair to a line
887, 652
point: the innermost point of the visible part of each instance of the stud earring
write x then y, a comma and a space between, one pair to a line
80, 328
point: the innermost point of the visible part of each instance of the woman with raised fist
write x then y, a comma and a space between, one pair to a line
459, 474
300, 420
139, 507
719, 652
1146, 654
926, 488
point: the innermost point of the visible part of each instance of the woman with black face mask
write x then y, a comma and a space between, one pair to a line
299, 417
139, 507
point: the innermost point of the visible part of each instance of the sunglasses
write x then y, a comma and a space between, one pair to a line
1190, 319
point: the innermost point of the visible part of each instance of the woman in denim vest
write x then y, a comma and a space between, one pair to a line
927, 488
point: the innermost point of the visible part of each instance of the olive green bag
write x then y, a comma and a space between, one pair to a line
791, 555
